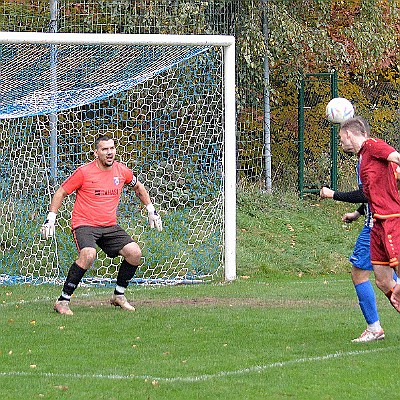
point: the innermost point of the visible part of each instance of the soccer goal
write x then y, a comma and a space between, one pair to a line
169, 103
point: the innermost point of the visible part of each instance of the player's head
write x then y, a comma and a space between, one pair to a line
102, 138
104, 151
357, 125
352, 132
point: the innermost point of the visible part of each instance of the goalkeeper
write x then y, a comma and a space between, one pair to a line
98, 186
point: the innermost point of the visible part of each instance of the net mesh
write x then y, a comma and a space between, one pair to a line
164, 107
52, 78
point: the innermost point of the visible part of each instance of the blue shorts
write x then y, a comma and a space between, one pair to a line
361, 257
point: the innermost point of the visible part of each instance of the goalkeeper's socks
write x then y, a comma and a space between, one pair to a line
74, 276
125, 274
64, 296
119, 290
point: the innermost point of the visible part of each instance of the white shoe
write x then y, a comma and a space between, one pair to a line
368, 336
62, 307
119, 300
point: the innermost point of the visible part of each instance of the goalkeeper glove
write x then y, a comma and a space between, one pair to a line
154, 218
48, 229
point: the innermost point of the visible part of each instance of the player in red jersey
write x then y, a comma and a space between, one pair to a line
380, 187
98, 186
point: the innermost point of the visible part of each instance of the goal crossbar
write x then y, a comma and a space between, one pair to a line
115, 38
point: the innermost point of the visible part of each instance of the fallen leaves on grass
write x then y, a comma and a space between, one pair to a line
61, 387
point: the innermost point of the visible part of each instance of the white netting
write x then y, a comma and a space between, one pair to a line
164, 107
52, 78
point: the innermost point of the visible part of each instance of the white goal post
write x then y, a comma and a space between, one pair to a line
169, 102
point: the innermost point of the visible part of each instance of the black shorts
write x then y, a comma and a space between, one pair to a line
111, 239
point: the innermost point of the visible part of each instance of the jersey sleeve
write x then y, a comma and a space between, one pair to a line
382, 150
128, 175
355, 196
73, 182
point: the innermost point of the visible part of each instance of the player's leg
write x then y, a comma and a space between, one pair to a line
85, 242
360, 274
118, 242
367, 301
381, 260
391, 240
385, 282
132, 255
395, 296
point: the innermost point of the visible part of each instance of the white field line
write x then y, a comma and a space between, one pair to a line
204, 377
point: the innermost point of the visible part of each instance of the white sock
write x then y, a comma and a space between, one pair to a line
66, 296
120, 289
375, 327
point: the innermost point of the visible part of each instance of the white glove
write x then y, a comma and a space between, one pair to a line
154, 218
48, 229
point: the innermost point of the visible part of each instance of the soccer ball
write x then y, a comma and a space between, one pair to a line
339, 110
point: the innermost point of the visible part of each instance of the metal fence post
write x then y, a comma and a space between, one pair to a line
301, 140
334, 134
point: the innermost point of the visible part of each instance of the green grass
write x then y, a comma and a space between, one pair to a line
282, 330
280, 234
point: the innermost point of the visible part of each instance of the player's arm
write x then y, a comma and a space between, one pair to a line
396, 171
143, 195
353, 216
48, 228
141, 192
355, 196
394, 157
57, 200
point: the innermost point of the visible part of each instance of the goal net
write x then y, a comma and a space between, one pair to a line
168, 101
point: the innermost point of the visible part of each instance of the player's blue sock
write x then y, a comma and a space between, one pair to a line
394, 275
366, 298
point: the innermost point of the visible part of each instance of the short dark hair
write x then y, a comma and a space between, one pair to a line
102, 138
357, 124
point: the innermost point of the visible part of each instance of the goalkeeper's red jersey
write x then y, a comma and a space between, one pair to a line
378, 178
97, 193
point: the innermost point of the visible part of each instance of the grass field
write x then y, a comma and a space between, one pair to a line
282, 330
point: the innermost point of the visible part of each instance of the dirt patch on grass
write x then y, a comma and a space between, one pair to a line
213, 302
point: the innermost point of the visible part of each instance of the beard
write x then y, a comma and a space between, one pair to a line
106, 162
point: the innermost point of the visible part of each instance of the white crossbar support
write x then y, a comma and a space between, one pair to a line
228, 43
